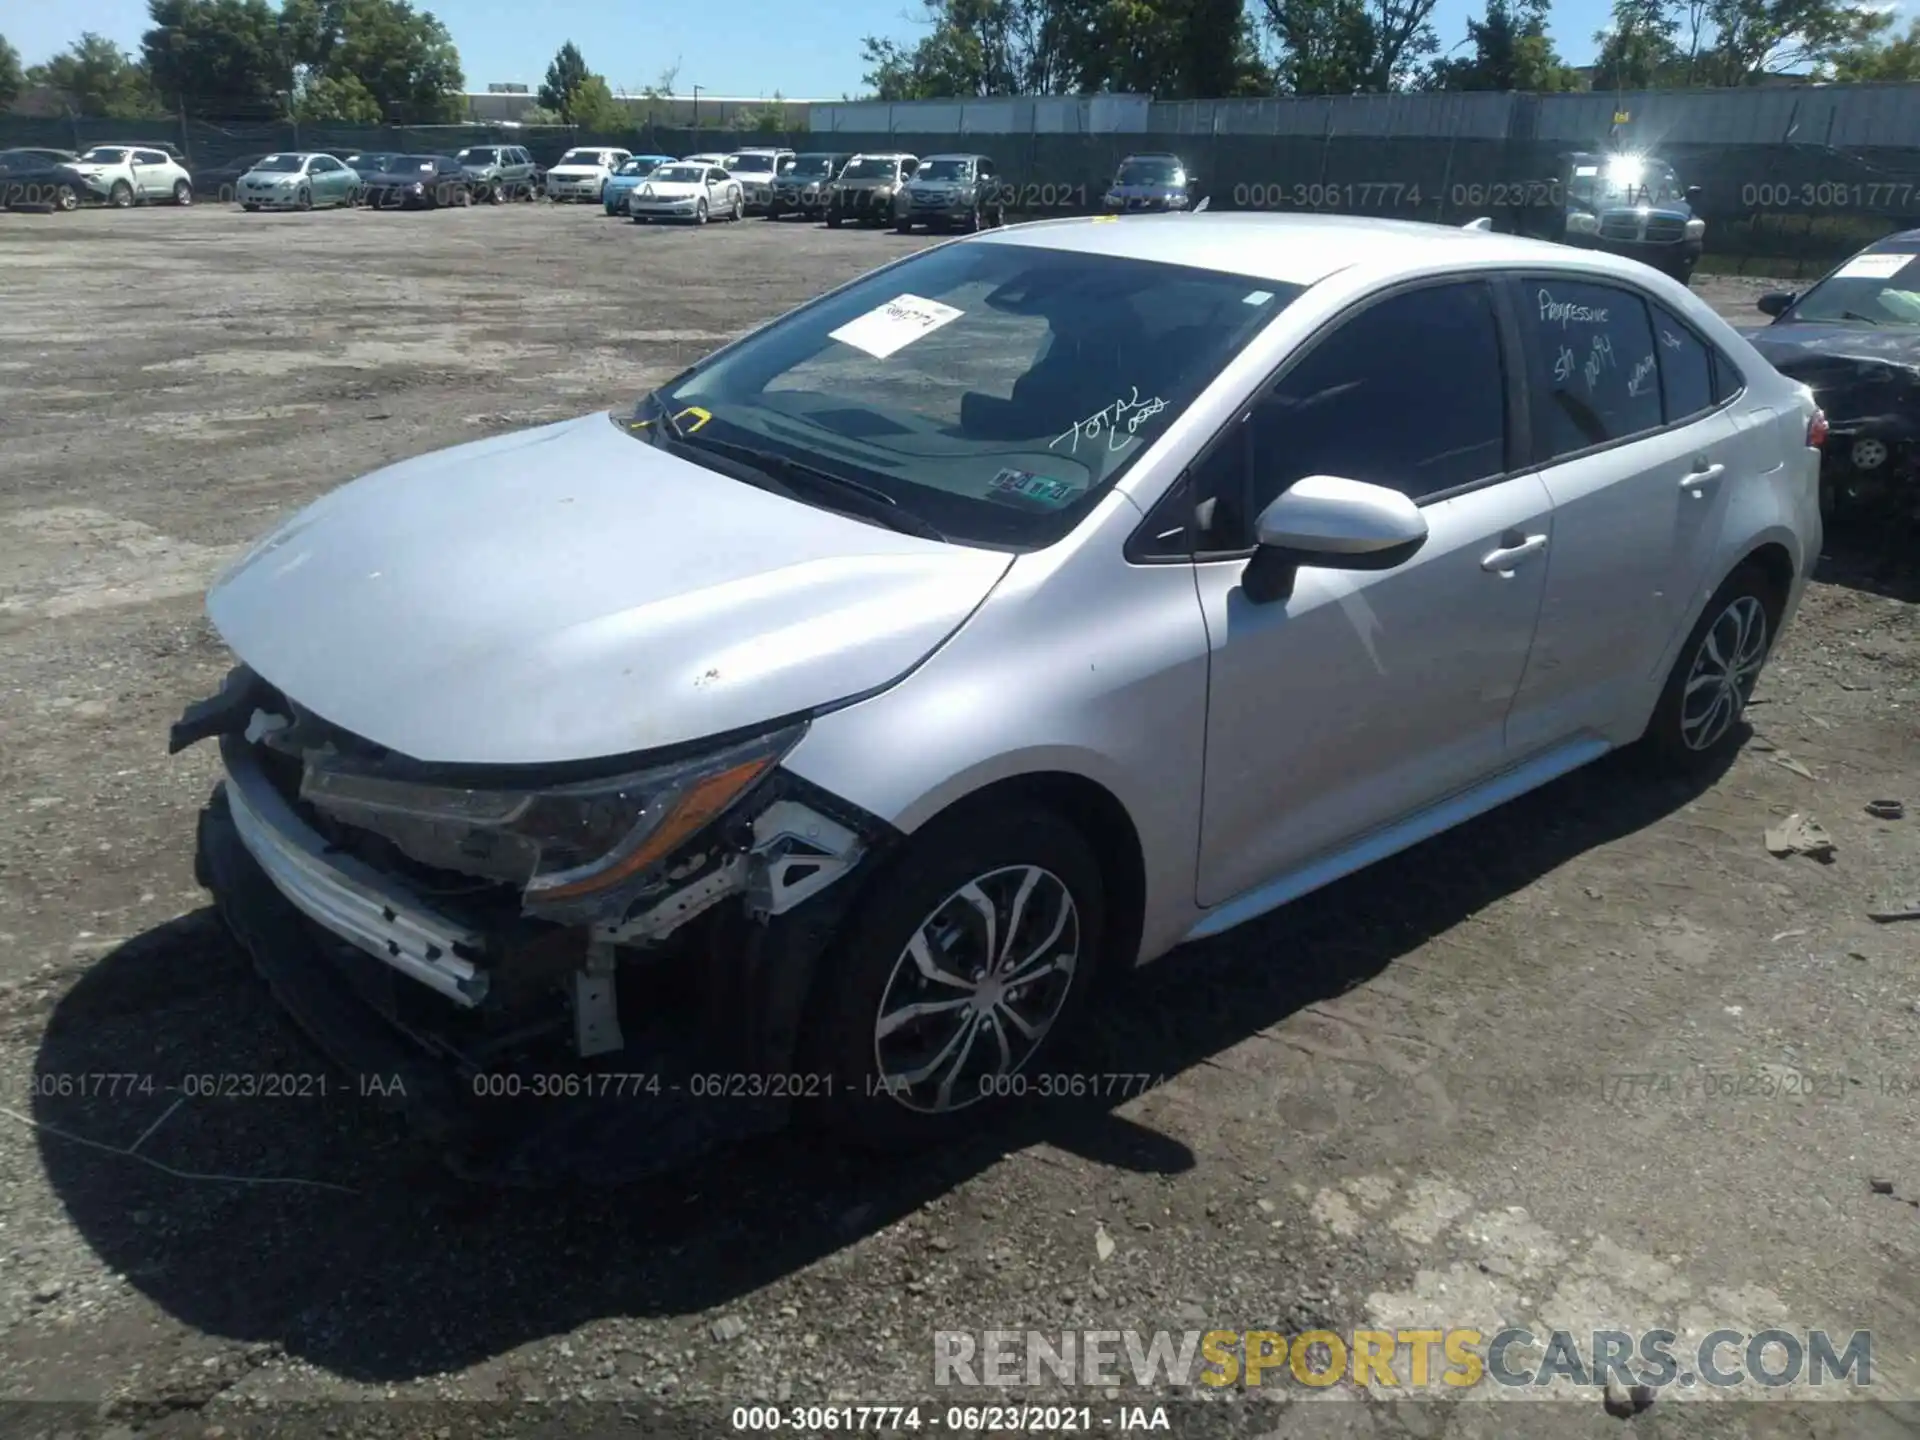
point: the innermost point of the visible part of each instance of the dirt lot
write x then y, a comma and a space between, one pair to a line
1595, 1060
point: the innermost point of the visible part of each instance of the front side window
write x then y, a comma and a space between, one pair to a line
1409, 393
993, 392
1593, 366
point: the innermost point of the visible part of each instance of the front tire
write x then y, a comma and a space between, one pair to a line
972, 956
304, 200
121, 195
67, 198
700, 212
1696, 722
833, 222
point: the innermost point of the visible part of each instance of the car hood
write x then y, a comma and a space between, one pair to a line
270, 177
1859, 374
574, 592
1146, 192
396, 177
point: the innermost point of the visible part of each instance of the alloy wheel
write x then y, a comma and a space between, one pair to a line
1725, 666
976, 989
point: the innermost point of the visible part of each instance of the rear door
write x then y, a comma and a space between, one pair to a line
1638, 456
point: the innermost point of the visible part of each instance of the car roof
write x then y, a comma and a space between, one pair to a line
1291, 249
1902, 241
957, 155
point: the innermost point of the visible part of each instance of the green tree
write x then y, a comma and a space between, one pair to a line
1511, 51
566, 74
403, 58
1327, 47
96, 77
1752, 38
540, 115
12, 80
1639, 50
217, 57
341, 99
594, 108
1876, 59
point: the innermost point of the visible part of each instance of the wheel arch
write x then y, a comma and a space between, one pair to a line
1102, 820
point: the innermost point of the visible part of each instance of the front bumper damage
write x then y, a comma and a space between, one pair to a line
530, 1051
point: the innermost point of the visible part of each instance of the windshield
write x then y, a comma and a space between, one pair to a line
681, 174
417, 162
945, 170
751, 164
104, 155
1881, 286
1149, 172
637, 167
285, 164
478, 157
811, 167
1626, 181
580, 157
992, 391
367, 162
871, 170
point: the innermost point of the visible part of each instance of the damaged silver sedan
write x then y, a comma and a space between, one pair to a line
812, 735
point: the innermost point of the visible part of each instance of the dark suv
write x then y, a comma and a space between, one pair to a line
1632, 205
948, 191
500, 172
1153, 181
801, 188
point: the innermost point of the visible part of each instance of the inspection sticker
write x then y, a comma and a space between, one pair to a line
1875, 267
898, 323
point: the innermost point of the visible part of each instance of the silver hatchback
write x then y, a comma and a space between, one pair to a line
829, 721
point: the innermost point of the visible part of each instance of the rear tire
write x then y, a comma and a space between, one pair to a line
182, 193
1696, 722
904, 227
913, 1014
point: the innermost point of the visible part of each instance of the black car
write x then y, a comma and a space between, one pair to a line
1854, 337
1153, 180
217, 182
801, 188
39, 180
412, 182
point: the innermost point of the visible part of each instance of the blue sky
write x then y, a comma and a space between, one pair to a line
727, 47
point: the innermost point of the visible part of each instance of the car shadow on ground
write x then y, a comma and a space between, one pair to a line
312, 1220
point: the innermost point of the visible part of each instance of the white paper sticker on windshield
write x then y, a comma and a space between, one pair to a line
1874, 267
896, 324
1256, 297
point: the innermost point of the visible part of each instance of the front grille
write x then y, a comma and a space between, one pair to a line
1621, 227
1665, 229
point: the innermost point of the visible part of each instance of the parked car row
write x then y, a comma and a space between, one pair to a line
120, 174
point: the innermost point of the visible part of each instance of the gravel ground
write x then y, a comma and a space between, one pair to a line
1595, 1060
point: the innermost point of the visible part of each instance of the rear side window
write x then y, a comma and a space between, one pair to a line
1594, 374
1686, 368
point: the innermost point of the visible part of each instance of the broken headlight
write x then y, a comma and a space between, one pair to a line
567, 845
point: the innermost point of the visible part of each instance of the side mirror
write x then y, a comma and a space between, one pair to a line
1774, 303
1695, 195
1330, 523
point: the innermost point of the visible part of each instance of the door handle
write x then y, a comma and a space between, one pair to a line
1503, 560
1701, 476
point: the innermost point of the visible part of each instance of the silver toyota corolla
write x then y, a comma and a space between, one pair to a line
815, 733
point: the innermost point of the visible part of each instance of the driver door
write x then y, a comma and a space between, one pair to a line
1367, 695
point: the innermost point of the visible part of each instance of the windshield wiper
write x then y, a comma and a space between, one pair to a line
1856, 315
790, 478
868, 500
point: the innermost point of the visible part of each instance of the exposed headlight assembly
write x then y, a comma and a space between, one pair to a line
575, 849
1581, 223
1696, 228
